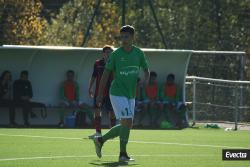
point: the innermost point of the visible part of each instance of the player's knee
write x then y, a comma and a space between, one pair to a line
127, 122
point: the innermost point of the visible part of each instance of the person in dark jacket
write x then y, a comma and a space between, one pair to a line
6, 96
22, 93
99, 67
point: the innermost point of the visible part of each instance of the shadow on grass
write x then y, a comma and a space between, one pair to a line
112, 164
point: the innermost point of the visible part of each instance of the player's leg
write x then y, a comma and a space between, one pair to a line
97, 118
181, 110
165, 111
97, 121
138, 110
26, 108
90, 113
150, 111
172, 113
88, 110
63, 107
124, 110
108, 107
143, 112
112, 133
124, 107
11, 105
127, 123
156, 113
119, 104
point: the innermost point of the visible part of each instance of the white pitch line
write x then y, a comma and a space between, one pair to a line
132, 141
183, 144
44, 137
91, 156
48, 157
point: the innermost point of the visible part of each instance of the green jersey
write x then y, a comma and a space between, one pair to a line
126, 67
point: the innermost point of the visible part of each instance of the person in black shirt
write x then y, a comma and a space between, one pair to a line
6, 96
22, 95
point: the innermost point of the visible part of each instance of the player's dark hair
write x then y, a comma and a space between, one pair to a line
24, 72
107, 47
3, 74
153, 74
128, 28
70, 72
171, 76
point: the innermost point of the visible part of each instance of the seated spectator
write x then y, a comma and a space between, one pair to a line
6, 96
69, 95
70, 98
172, 106
22, 91
151, 99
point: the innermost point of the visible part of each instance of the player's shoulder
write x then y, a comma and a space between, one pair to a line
99, 61
117, 51
138, 51
137, 48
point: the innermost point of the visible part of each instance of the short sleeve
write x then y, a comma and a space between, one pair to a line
144, 61
110, 65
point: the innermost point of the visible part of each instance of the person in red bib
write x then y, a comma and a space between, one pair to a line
151, 99
171, 104
69, 93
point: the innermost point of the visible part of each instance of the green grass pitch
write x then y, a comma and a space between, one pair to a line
150, 148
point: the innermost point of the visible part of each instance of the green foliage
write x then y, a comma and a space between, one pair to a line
70, 25
192, 24
198, 25
21, 22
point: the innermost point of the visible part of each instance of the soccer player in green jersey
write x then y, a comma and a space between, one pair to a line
125, 64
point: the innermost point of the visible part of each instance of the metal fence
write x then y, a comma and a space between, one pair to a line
218, 100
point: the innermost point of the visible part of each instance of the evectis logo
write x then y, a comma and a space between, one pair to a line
236, 155
243, 154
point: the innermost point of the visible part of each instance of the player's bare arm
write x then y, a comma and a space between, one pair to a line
91, 83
